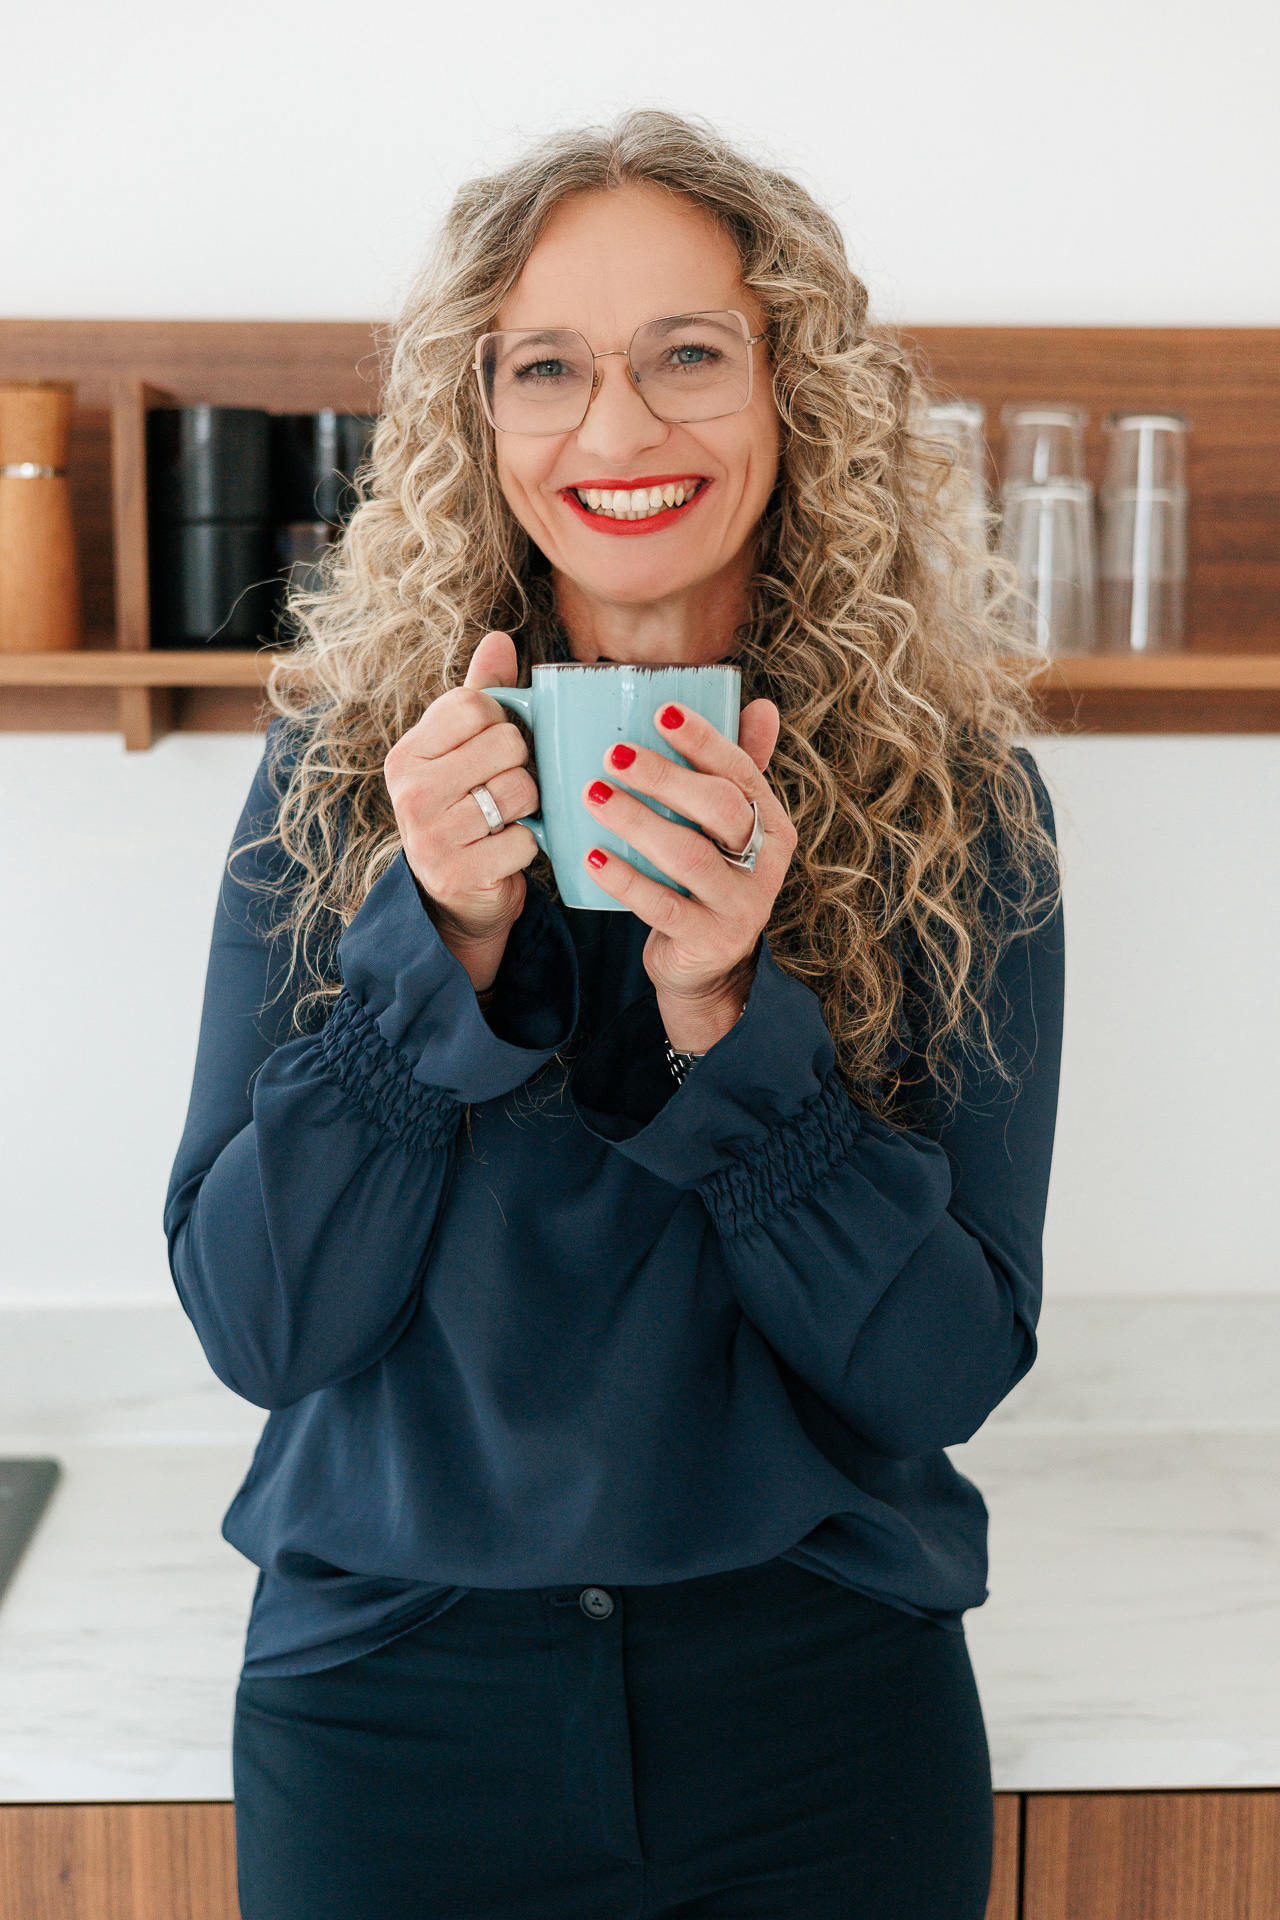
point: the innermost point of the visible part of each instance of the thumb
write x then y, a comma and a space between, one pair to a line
493, 664
758, 731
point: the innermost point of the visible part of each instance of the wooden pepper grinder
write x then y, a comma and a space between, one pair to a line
39, 584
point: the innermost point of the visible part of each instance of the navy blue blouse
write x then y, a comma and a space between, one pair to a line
525, 1314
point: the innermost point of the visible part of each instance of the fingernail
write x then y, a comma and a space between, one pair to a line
622, 756
598, 793
595, 858
671, 717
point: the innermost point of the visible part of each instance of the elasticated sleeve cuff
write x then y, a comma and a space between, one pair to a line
404, 984
759, 1103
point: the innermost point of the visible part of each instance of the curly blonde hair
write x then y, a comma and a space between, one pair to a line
873, 621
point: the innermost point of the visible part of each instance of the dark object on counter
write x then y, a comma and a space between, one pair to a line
209, 463
26, 1487
212, 584
213, 575
314, 459
300, 551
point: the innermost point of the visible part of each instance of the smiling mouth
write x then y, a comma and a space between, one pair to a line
637, 503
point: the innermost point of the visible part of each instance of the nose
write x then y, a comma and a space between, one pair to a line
618, 425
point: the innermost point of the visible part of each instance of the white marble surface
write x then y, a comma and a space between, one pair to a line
1133, 1481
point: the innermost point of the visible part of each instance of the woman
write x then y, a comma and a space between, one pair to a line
615, 1280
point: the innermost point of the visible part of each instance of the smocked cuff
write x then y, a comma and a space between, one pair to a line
409, 989
750, 1104
379, 1080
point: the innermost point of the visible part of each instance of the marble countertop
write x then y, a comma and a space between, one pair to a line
1133, 1481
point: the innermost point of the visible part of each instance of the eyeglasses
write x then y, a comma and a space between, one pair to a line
688, 367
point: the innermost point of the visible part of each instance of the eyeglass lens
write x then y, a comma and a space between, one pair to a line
688, 367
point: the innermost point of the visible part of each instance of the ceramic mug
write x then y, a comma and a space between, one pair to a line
576, 713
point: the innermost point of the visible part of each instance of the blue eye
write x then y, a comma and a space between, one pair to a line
543, 370
690, 356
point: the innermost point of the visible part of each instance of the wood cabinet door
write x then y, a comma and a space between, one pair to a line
153, 1862
1003, 1903
1151, 1856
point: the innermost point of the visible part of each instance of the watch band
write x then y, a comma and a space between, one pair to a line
679, 1063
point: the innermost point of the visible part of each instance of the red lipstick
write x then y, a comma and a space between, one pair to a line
654, 523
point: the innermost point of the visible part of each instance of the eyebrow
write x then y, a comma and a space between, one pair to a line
532, 336
706, 316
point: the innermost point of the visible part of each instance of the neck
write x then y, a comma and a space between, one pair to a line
697, 626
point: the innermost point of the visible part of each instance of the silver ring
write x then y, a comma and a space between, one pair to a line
489, 808
30, 470
746, 859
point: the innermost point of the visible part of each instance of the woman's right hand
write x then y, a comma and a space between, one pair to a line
472, 881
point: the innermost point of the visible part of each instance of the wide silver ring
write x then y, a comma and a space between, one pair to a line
746, 859
489, 808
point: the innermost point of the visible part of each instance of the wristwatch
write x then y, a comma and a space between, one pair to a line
679, 1063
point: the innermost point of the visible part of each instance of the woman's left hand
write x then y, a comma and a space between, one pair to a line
702, 951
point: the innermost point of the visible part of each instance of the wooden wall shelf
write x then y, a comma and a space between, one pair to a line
1226, 379
113, 667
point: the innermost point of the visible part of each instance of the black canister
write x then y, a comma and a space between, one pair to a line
209, 463
212, 584
314, 458
301, 549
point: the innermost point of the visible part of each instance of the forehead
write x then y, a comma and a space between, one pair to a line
607, 262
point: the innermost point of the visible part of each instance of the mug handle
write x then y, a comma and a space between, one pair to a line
524, 701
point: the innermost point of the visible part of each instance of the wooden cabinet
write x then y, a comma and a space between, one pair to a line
1151, 1856
154, 1862
1058, 1856
1006, 1866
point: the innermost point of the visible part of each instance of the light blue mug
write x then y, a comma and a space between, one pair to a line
576, 714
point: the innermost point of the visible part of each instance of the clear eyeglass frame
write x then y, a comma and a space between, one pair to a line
719, 313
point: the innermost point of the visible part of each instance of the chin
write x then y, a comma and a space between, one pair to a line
636, 572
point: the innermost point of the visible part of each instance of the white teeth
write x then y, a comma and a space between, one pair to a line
636, 503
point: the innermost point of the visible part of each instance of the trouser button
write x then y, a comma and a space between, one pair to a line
595, 1603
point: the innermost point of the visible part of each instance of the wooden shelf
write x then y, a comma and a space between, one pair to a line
109, 667
1226, 379
1073, 673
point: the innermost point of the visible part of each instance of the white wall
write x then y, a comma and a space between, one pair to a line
1166, 1173
1000, 160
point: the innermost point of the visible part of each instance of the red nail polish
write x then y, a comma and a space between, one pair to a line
621, 756
671, 717
595, 858
598, 793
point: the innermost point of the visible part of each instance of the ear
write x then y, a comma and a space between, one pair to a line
494, 663
758, 726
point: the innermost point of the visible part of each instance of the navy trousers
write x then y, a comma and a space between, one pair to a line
756, 1745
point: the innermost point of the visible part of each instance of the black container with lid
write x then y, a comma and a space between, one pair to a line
314, 459
212, 563
209, 463
213, 583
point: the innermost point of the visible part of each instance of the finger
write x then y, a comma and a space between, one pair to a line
478, 760
717, 805
455, 717
513, 793
489, 861
689, 857
494, 663
700, 744
682, 920
758, 726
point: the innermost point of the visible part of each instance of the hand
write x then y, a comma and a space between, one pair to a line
472, 881
701, 953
